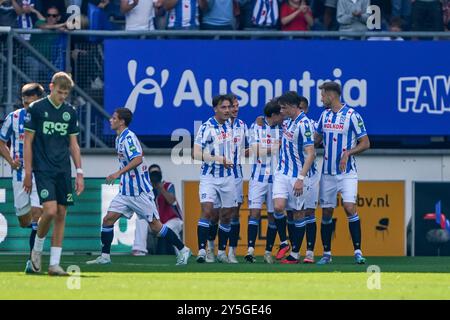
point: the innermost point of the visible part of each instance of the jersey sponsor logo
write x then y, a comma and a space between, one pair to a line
334, 126
50, 128
66, 116
131, 144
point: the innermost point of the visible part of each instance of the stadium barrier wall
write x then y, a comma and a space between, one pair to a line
378, 202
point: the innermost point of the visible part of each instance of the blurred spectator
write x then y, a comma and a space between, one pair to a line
402, 9
52, 46
446, 14
97, 16
217, 14
259, 14
329, 17
296, 15
139, 14
169, 214
427, 15
52, 21
28, 17
394, 26
59, 4
352, 15
9, 10
182, 14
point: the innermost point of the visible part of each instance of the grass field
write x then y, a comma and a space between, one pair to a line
156, 277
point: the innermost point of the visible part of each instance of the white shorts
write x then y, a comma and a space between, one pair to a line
346, 184
143, 205
220, 191
239, 184
259, 192
176, 224
24, 201
283, 187
312, 195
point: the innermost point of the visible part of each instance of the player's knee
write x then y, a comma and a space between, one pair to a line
51, 212
107, 221
255, 214
278, 207
155, 226
350, 208
25, 222
327, 213
215, 218
297, 215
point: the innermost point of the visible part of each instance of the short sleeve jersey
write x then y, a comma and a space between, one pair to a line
296, 136
341, 131
52, 126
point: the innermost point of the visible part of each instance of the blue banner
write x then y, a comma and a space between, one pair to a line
398, 87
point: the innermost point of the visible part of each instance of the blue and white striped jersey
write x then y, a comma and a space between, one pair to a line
296, 135
25, 21
216, 139
313, 170
340, 131
265, 13
137, 180
13, 130
184, 15
240, 143
267, 137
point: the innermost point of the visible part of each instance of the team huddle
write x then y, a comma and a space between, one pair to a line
284, 176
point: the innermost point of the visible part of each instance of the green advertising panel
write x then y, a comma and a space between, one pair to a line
432, 216
83, 222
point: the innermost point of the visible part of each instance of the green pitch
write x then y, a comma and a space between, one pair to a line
156, 277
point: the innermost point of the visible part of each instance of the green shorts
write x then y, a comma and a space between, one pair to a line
54, 187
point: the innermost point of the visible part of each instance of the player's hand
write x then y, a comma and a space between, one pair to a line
227, 163
27, 183
79, 184
298, 188
16, 164
112, 177
343, 162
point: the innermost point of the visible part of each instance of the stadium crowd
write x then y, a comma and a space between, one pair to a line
286, 15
